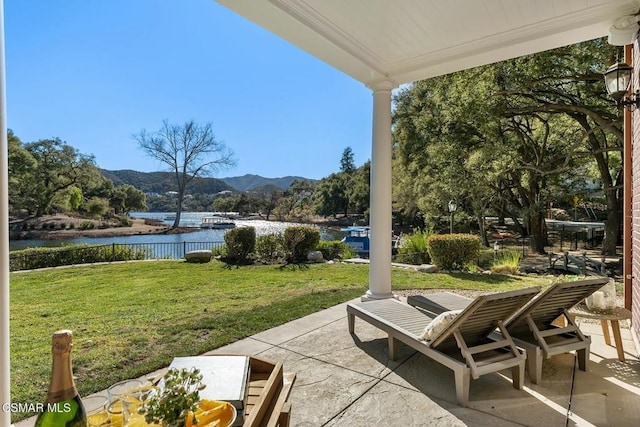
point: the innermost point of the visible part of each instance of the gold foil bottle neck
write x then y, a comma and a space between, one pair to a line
61, 342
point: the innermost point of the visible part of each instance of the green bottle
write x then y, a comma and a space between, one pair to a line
63, 407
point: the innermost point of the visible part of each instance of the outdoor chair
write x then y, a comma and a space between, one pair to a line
464, 345
534, 327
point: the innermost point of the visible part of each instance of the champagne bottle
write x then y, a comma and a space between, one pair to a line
63, 407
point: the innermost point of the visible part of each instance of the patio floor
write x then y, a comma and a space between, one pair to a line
345, 380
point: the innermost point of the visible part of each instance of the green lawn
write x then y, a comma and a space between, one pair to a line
132, 318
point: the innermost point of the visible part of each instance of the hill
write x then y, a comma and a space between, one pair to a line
161, 182
250, 182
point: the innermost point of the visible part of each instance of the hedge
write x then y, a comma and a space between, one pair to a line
453, 251
33, 258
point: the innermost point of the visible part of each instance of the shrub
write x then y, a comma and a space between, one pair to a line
349, 252
451, 251
240, 243
87, 225
413, 248
269, 244
334, 249
97, 207
32, 258
125, 221
507, 262
299, 240
72, 225
219, 251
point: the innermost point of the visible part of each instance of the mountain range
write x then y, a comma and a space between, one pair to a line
161, 182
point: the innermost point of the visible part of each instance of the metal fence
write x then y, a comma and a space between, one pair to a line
82, 254
171, 250
573, 238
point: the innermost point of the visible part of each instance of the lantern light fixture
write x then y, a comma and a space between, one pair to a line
617, 80
452, 208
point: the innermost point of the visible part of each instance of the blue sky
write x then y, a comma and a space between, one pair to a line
93, 73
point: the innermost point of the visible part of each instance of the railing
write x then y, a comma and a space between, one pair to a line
52, 257
575, 235
171, 250
580, 265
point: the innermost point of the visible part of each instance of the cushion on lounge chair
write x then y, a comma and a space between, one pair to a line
439, 324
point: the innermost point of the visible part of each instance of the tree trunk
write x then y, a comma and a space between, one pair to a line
483, 231
612, 224
537, 232
176, 223
610, 188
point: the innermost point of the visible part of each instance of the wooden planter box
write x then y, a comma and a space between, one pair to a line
269, 389
266, 395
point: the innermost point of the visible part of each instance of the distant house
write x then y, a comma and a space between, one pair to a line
172, 193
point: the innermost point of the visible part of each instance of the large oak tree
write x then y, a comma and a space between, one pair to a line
510, 136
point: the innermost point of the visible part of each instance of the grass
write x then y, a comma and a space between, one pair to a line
507, 262
132, 318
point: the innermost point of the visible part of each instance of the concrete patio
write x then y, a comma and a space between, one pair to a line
345, 380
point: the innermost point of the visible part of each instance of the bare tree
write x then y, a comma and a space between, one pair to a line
189, 151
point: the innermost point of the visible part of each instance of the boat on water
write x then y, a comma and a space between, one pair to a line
358, 238
216, 223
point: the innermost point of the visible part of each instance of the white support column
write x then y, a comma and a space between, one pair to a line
5, 370
380, 209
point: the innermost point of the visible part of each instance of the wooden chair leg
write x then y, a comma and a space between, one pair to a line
393, 348
605, 332
463, 378
351, 319
583, 358
517, 376
534, 365
615, 327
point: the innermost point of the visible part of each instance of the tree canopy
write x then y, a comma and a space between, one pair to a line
509, 137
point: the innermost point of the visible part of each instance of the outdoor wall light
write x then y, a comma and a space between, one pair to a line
617, 80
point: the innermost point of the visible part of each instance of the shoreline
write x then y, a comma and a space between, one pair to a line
63, 227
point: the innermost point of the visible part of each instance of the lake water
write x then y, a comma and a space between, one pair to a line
187, 219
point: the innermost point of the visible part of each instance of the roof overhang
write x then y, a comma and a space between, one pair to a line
409, 40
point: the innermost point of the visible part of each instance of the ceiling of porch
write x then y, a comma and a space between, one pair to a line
408, 40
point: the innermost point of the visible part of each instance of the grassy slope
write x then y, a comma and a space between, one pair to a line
130, 319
